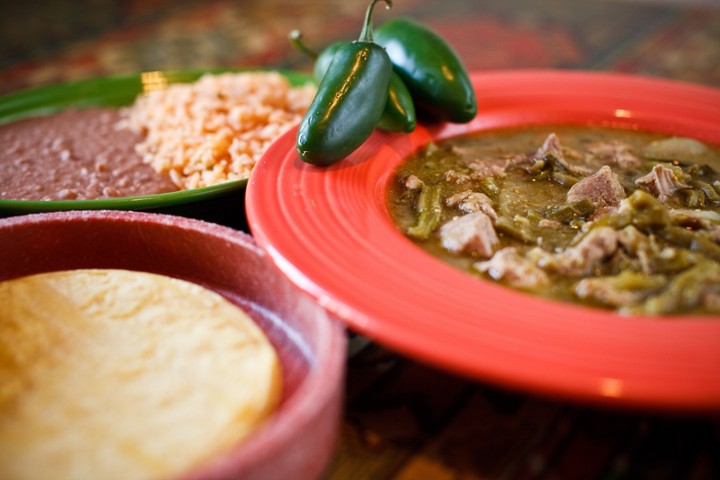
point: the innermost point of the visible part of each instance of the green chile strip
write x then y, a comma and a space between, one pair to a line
349, 101
430, 68
430, 208
399, 113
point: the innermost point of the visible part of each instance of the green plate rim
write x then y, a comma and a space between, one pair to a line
114, 91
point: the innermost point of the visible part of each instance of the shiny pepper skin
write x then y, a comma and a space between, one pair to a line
399, 114
431, 70
349, 101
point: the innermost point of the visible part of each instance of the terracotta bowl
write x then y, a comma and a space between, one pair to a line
298, 439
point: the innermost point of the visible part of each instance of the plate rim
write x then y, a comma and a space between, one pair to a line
627, 391
97, 92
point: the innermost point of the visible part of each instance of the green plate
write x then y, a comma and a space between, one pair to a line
223, 203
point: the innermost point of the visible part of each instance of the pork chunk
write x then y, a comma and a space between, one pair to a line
515, 269
583, 258
551, 147
622, 290
472, 233
452, 176
471, 202
412, 182
488, 167
603, 188
662, 181
615, 153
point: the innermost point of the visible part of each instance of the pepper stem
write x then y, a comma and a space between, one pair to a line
366, 32
295, 38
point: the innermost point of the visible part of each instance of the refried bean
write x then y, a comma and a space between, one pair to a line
74, 155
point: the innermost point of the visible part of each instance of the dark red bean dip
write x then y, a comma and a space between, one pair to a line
74, 155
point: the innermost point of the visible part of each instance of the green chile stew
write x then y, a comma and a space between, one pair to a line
611, 218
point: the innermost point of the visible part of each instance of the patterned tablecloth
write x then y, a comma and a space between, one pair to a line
404, 420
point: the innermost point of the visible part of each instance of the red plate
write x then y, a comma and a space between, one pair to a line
329, 231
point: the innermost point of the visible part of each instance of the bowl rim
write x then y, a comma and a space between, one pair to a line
320, 387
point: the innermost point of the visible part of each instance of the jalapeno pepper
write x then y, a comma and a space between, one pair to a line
430, 68
349, 101
399, 112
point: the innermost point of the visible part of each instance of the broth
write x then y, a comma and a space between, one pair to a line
617, 219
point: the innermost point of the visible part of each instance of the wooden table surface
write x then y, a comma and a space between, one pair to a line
405, 420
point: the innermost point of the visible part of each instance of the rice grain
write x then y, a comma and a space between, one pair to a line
215, 129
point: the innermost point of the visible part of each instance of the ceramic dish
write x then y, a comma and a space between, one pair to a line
330, 231
221, 203
298, 439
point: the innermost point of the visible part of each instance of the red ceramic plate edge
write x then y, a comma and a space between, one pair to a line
329, 231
